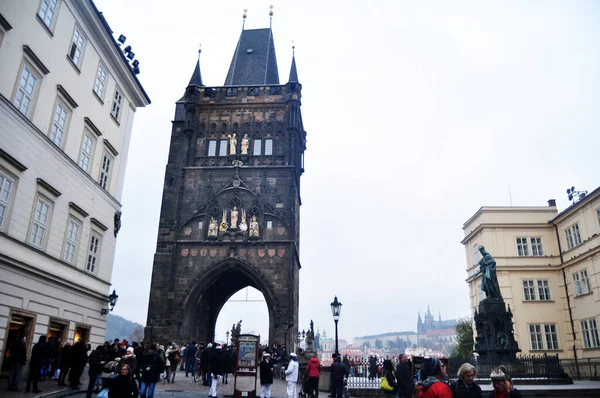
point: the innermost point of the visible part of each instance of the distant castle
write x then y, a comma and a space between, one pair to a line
430, 324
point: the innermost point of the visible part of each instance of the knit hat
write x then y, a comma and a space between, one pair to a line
130, 350
293, 355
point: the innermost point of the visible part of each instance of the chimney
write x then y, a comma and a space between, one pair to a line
551, 202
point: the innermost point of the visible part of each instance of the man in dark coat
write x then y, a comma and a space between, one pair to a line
216, 368
266, 376
190, 358
97, 360
64, 362
338, 372
205, 358
404, 378
78, 361
228, 363
38, 353
18, 355
151, 365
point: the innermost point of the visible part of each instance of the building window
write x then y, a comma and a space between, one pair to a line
6, 188
100, 81
544, 290
116, 106
476, 253
47, 12
76, 49
40, 223
105, 170
269, 224
71, 240
269, 147
87, 147
92, 255
529, 290
522, 247
257, 147
536, 247
589, 327
223, 148
543, 337
212, 148
598, 215
27, 89
59, 124
580, 280
573, 236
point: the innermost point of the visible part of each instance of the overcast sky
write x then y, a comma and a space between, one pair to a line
417, 114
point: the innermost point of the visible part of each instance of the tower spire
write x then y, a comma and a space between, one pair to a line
293, 71
244, 18
196, 79
270, 16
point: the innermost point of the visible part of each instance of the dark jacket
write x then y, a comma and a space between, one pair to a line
64, 361
97, 361
38, 353
216, 362
18, 352
78, 355
404, 377
338, 370
151, 367
205, 359
266, 372
460, 389
228, 361
122, 387
190, 352
514, 393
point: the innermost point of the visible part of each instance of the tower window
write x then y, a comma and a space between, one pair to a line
269, 147
257, 147
223, 148
212, 148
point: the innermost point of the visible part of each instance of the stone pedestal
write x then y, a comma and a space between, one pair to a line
495, 342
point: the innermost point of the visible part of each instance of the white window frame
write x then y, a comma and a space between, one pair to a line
7, 188
257, 147
40, 222
59, 123
543, 290
268, 147
100, 81
92, 258
537, 246
522, 247
589, 330
543, 336
269, 224
86, 153
536, 337
77, 46
105, 170
529, 290
47, 12
117, 104
551, 336
72, 235
573, 236
581, 282
212, 148
23, 92
222, 147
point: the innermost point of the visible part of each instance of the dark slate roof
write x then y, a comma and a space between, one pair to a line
293, 72
258, 66
196, 79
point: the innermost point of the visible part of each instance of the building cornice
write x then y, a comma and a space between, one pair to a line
53, 147
110, 148
78, 209
98, 224
482, 226
34, 58
583, 256
508, 209
48, 187
93, 19
66, 96
88, 122
13, 162
4, 23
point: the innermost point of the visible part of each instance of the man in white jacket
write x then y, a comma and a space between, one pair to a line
291, 376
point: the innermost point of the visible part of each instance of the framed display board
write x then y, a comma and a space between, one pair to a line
246, 366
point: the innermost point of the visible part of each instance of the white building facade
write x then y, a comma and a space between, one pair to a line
68, 96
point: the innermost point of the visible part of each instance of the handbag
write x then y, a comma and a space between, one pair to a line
385, 384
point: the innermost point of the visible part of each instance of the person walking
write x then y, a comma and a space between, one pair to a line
434, 371
266, 376
130, 360
18, 355
291, 375
404, 378
338, 372
97, 360
465, 386
151, 367
216, 368
388, 372
78, 361
38, 353
190, 358
182, 354
64, 362
173, 359
124, 385
313, 369
205, 359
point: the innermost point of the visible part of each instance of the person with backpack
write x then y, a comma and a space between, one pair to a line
152, 365
173, 358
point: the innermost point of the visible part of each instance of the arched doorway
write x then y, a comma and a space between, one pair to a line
249, 306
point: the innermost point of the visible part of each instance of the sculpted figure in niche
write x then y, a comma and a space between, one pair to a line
243, 225
224, 225
234, 218
232, 144
213, 228
253, 227
245, 144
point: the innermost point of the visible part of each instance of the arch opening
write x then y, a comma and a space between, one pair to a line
248, 305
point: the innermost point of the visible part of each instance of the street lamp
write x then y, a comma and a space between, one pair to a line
227, 341
112, 301
336, 308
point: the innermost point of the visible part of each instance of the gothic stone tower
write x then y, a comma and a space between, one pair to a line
231, 199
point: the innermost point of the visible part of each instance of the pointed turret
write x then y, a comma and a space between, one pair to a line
293, 72
196, 79
254, 61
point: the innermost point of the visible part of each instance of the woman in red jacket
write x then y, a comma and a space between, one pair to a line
433, 386
313, 369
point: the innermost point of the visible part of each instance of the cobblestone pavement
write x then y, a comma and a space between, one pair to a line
186, 387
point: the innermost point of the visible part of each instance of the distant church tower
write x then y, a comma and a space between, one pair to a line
231, 199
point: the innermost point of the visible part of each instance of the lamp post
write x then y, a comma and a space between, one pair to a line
112, 301
336, 308
227, 341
